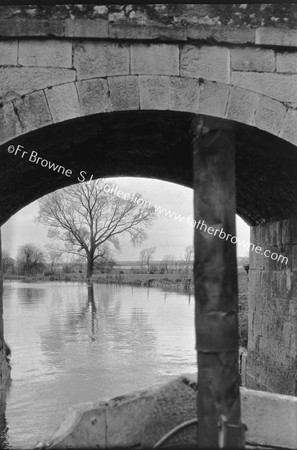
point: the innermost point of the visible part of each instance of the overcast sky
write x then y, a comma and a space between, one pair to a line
168, 235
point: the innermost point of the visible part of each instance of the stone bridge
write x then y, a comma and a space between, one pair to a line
111, 91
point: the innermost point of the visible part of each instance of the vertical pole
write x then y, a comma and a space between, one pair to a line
216, 296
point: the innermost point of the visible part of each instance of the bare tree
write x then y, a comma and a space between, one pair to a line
7, 262
54, 254
188, 258
90, 221
146, 256
30, 259
167, 262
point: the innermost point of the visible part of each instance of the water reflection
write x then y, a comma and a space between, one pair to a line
80, 343
31, 296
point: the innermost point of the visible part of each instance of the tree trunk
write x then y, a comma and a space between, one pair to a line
90, 267
216, 297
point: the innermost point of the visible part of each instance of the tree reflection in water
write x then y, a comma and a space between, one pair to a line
91, 303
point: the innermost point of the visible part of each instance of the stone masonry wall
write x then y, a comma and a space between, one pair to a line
279, 15
272, 341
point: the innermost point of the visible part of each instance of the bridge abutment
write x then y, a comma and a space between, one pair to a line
272, 340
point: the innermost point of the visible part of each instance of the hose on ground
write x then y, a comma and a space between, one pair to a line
170, 433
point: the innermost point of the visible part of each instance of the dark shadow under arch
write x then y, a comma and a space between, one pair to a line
152, 144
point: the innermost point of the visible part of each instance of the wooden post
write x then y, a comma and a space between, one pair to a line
216, 296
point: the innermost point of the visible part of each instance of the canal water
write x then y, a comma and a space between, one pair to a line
69, 346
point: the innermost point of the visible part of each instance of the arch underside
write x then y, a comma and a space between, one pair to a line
152, 144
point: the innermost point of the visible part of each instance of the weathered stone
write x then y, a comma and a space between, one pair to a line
278, 415
289, 127
242, 106
213, 98
93, 96
84, 28
84, 427
137, 419
221, 33
124, 93
10, 125
150, 31
286, 62
8, 53
154, 92
142, 418
276, 36
278, 86
269, 115
155, 59
63, 102
252, 59
33, 111
22, 80
100, 59
126, 420
45, 53
183, 94
31, 27
211, 63
272, 309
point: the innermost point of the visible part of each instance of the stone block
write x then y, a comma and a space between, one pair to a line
291, 228
209, 62
221, 33
270, 418
155, 59
269, 115
63, 102
151, 31
33, 111
22, 80
276, 36
255, 259
154, 92
32, 27
213, 98
278, 86
183, 94
124, 93
10, 125
86, 28
289, 127
93, 96
100, 59
294, 258
242, 105
286, 62
126, 421
252, 59
83, 427
8, 53
275, 257
45, 53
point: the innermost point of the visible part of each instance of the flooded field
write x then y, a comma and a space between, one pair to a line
69, 346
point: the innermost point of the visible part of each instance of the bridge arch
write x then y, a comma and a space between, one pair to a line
52, 81
80, 101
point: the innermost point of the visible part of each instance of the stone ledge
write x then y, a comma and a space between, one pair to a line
142, 418
104, 29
